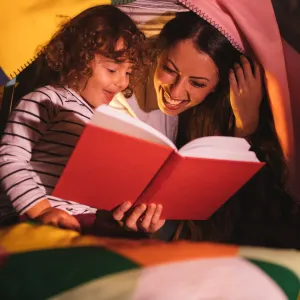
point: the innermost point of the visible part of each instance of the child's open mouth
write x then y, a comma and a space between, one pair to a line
108, 95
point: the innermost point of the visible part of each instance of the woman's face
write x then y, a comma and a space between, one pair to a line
183, 78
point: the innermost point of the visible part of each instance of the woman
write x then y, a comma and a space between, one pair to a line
194, 79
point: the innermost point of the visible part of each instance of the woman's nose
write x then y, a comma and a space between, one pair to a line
178, 90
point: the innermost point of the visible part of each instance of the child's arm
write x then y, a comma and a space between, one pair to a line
38, 208
25, 127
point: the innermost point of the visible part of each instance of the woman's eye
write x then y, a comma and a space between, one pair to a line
197, 84
168, 70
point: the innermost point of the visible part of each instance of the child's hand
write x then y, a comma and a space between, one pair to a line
141, 218
246, 92
59, 218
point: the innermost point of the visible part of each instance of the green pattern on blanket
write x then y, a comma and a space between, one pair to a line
42, 274
284, 277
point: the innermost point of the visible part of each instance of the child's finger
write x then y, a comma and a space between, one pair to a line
134, 216
248, 75
119, 212
233, 82
69, 223
147, 219
239, 75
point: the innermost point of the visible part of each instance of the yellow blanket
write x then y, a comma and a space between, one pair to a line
27, 25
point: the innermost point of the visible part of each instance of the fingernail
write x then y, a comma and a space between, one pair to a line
127, 204
159, 206
242, 57
143, 206
236, 65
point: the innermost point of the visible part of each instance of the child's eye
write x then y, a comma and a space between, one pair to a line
197, 84
111, 71
168, 70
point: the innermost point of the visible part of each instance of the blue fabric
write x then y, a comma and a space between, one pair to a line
3, 78
11, 82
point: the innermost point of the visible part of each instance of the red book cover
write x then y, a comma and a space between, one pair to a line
192, 188
107, 168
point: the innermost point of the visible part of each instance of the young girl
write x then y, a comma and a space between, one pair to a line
87, 63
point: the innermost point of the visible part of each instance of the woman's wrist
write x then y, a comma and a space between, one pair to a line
246, 128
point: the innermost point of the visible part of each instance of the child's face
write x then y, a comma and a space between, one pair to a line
108, 78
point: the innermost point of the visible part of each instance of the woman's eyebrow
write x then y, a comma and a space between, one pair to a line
199, 77
175, 67
195, 77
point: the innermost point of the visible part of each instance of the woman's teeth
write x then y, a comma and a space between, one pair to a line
171, 101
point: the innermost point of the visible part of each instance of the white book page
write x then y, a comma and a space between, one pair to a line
112, 119
219, 147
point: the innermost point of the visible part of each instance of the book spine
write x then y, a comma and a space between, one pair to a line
159, 179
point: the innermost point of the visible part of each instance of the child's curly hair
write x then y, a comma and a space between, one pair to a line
96, 30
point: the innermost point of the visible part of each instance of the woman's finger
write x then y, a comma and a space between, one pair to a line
156, 222
157, 226
119, 212
248, 75
257, 72
134, 216
147, 219
157, 214
239, 75
233, 82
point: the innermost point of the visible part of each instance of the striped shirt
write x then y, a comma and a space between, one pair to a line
39, 138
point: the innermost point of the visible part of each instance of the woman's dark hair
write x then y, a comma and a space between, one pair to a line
263, 201
97, 30
214, 115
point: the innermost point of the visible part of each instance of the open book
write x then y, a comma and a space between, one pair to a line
119, 158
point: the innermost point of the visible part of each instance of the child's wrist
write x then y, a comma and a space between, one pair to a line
38, 209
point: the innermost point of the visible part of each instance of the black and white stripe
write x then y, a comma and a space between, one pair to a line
38, 140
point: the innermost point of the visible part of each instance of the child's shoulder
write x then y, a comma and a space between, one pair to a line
49, 93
